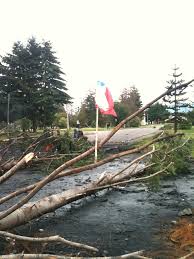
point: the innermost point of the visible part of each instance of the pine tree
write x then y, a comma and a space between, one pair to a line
87, 112
33, 76
175, 100
131, 99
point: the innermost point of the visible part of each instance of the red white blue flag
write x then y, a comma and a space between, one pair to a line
104, 99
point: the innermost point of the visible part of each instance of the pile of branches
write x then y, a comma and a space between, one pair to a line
24, 211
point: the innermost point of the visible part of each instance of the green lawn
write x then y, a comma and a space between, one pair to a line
189, 134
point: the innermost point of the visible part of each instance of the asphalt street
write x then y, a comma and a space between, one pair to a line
123, 135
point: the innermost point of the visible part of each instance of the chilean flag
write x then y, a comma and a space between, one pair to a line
104, 100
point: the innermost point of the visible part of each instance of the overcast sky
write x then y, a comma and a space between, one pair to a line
122, 42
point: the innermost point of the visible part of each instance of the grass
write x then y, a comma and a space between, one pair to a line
188, 134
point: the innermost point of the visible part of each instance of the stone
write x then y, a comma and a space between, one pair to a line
185, 212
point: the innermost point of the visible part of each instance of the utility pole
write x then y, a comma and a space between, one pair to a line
67, 113
8, 105
67, 120
8, 109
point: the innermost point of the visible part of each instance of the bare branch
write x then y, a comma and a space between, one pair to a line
50, 239
49, 256
187, 256
180, 146
50, 177
131, 180
19, 164
33, 210
90, 166
134, 162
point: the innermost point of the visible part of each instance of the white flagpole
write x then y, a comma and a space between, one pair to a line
96, 140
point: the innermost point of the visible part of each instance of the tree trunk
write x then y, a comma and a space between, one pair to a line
48, 204
34, 125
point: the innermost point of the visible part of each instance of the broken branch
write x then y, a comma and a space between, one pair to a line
19, 164
49, 256
90, 166
50, 177
48, 240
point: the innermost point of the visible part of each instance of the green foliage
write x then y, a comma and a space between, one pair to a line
25, 124
3, 125
69, 148
134, 122
33, 77
190, 116
87, 112
157, 112
131, 98
121, 110
185, 125
129, 102
60, 120
168, 126
175, 100
169, 151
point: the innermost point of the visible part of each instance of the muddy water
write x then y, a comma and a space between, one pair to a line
116, 221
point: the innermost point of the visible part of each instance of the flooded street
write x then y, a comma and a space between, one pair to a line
116, 221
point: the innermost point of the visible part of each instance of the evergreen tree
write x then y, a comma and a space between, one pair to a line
87, 112
33, 77
157, 112
175, 100
131, 99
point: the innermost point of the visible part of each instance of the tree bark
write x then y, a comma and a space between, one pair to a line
50, 239
49, 256
34, 210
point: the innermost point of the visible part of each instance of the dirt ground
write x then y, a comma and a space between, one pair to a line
115, 221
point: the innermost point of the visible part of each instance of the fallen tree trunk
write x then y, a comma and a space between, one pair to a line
50, 177
51, 203
137, 254
91, 166
49, 239
48, 204
18, 165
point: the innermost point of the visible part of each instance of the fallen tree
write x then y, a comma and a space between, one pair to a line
51, 176
137, 254
22, 215
93, 165
24, 211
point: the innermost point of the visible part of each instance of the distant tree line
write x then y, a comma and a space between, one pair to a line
32, 82
129, 101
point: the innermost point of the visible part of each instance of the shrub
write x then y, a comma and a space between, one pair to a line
185, 125
24, 124
180, 156
60, 120
62, 123
167, 126
134, 122
3, 124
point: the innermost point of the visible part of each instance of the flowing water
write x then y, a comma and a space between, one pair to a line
115, 221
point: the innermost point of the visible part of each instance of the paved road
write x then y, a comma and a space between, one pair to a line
123, 135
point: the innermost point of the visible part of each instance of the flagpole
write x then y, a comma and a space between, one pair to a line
96, 140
